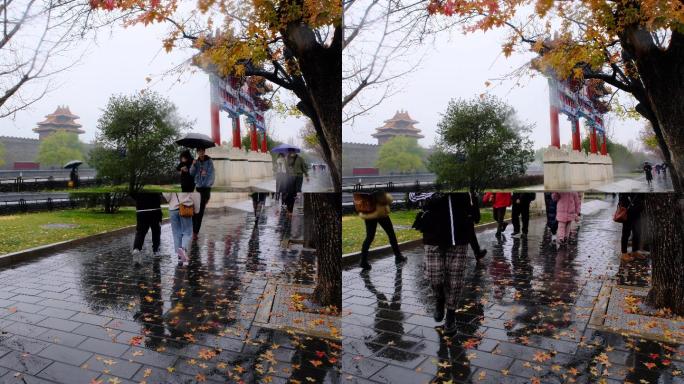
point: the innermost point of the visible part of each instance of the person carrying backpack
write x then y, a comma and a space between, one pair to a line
379, 214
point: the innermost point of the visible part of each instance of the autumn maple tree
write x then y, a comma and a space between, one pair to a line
635, 46
296, 45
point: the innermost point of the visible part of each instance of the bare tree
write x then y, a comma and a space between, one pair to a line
384, 41
40, 38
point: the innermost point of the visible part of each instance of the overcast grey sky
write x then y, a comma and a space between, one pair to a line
119, 63
458, 67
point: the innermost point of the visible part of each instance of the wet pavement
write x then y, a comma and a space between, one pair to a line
523, 316
660, 183
319, 181
88, 315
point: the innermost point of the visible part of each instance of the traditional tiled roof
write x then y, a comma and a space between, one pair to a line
400, 124
60, 119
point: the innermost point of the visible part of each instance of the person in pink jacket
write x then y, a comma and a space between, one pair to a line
567, 211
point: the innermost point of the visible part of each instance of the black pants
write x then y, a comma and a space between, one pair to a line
299, 180
472, 239
289, 200
205, 194
499, 214
371, 227
632, 227
145, 221
522, 209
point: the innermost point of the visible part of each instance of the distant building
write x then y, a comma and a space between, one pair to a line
399, 125
61, 120
359, 155
21, 153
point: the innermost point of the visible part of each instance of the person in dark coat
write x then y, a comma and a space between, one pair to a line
148, 216
551, 222
648, 171
634, 202
521, 210
445, 224
187, 181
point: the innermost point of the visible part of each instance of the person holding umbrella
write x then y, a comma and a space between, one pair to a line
74, 180
202, 170
297, 168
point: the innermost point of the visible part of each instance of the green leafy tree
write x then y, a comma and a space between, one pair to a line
623, 158
401, 154
136, 142
480, 141
247, 141
59, 148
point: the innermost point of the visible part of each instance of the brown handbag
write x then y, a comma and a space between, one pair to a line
620, 215
364, 202
185, 210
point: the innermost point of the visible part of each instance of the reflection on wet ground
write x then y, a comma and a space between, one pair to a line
523, 316
90, 314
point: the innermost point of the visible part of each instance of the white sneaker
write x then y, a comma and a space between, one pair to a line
137, 256
182, 257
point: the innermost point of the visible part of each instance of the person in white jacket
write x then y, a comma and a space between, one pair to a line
181, 225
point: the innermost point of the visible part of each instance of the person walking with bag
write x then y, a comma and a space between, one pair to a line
148, 217
630, 206
376, 211
567, 211
202, 170
444, 224
182, 207
499, 200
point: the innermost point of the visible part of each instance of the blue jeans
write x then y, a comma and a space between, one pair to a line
181, 229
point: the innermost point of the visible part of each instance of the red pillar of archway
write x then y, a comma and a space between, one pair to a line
236, 132
555, 133
604, 144
264, 143
576, 140
253, 139
592, 141
214, 113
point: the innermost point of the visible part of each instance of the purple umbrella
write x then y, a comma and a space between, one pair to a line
285, 148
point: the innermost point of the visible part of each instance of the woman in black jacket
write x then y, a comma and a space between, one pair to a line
445, 224
186, 179
634, 202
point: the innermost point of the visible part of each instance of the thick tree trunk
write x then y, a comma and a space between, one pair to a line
321, 68
662, 74
328, 242
665, 218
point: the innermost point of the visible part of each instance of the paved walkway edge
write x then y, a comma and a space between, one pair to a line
375, 253
43, 250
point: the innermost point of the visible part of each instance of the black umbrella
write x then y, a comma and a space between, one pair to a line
73, 164
196, 140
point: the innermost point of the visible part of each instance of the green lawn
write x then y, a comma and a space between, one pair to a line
354, 230
28, 230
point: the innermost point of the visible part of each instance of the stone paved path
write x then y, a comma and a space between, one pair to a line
319, 181
661, 183
523, 317
89, 315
